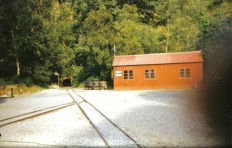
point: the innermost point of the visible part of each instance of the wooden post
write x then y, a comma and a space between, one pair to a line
11, 92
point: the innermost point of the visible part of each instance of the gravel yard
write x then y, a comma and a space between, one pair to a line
156, 118
151, 118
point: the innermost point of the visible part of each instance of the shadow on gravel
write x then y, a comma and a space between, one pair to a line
177, 119
3, 99
169, 96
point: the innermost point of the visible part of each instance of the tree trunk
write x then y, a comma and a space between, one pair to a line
18, 68
16, 55
166, 49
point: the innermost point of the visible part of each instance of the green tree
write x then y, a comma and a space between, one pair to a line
60, 38
40, 38
214, 21
133, 36
21, 27
77, 37
95, 44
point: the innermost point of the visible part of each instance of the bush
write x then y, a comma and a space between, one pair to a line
77, 83
4, 82
92, 78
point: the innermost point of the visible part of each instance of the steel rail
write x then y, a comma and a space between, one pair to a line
84, 113
29, 115
102, 114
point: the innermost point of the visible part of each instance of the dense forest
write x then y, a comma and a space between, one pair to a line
79, 38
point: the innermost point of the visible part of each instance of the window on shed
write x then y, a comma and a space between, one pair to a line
182, 73
146, 74
149, 74
128, 74
187, 72
131, 74
152, 73
125, 74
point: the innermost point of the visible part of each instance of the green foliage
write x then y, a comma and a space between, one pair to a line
213, 23
77, 37
5, 82
92, 78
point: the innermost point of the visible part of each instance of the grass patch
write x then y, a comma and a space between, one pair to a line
80, 85
7, 85
31, 89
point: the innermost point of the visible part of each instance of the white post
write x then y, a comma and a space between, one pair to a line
114, 50
58, 78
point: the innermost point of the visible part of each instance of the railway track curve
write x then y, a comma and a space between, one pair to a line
110, 132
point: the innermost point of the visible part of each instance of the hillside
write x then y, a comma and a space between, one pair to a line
78, 38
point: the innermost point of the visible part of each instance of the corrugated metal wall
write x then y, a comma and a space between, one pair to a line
167, 76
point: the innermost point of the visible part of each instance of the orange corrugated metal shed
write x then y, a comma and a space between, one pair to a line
168, 70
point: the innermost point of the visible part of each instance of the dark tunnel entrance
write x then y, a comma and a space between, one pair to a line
67, 82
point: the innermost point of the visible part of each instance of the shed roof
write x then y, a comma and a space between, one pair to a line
159, 58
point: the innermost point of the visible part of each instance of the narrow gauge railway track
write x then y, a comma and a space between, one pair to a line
32, 114
111, 133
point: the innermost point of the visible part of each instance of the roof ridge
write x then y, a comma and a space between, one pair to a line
182, 52
163, 58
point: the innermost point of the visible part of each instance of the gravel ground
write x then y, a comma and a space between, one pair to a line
112, 135
10, 107
156, 118
151, 118
64, 127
